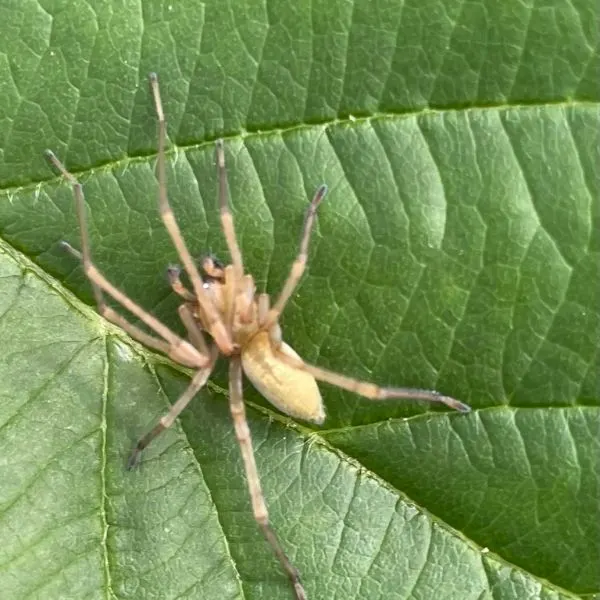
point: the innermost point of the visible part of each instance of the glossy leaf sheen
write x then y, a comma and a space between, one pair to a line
457, 249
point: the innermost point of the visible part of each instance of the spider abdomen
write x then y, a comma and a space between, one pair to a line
293, 391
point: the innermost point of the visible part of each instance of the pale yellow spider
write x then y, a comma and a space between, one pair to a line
242, 326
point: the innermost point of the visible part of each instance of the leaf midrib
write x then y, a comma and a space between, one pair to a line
260, 132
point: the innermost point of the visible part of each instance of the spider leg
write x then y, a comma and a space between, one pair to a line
274, 331
299, 263
370, 390
185, 311
193, 329
237, 266
226, 216
173, 273
198, 381
173, 345
259, 508
214, 324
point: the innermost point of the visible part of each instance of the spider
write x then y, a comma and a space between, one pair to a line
242, 325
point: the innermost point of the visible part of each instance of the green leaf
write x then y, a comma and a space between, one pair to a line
457, 249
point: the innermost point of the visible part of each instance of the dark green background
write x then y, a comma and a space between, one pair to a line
458, 249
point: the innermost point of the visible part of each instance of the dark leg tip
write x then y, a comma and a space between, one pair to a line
64, 245
319, 194
153, 77
133, 462
52, 159
455, 404
220, 152
173, 272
